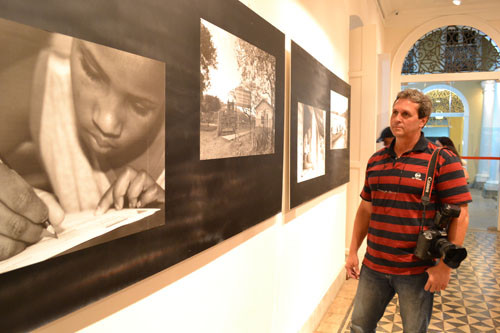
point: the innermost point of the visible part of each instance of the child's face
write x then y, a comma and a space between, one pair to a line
119, 98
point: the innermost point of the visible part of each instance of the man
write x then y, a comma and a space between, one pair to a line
390, 216
386, 136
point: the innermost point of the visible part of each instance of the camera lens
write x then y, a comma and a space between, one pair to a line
453, 255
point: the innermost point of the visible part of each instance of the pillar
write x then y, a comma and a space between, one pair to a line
486, 130
492, 182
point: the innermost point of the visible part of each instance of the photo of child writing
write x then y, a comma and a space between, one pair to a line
82, 130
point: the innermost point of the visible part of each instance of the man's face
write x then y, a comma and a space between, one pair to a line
119, 98
404, 119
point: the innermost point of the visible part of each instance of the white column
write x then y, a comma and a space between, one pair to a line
492, 183
486, 130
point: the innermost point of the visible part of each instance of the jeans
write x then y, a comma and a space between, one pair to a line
376, 290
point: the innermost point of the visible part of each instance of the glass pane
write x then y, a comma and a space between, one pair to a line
452, 49
483, 211
475, 132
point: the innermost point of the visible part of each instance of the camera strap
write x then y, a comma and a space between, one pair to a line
429, 182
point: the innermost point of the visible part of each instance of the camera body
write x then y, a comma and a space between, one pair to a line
433, 242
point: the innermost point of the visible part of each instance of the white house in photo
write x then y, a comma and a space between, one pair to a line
264, 113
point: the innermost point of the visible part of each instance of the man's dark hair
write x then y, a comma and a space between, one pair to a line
416, 96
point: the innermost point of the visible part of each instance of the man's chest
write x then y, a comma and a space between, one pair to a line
403, 175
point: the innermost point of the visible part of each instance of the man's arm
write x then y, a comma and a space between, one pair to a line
360, 230
439, 275
458, 227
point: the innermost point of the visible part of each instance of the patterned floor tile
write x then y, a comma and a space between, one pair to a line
470, 303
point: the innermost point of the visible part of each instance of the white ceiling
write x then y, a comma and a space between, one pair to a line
397, 12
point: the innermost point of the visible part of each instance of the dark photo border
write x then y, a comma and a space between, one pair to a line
311, 83
206, 202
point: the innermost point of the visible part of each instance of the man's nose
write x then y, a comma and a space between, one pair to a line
396, 116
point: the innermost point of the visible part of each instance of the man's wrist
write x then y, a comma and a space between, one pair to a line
444, 264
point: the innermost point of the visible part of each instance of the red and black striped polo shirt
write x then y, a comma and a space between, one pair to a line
394, 187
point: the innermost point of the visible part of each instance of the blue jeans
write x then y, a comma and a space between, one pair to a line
376, 290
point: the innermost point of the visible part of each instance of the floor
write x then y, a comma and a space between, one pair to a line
483, 211
470, 303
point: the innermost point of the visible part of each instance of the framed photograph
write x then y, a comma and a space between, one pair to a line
319, 157
149, 131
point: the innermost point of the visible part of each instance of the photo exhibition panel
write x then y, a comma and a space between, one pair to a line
137, 134
319, 144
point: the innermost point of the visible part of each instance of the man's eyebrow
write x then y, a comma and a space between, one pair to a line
89, 57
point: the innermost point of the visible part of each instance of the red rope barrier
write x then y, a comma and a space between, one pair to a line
480, 158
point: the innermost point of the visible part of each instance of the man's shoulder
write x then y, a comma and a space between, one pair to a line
449, 156
379, 154
381, 151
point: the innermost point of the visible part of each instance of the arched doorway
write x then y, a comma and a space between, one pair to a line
473, 88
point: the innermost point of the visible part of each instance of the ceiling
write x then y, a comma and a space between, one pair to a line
396, 12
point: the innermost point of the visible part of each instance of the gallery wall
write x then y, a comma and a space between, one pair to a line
277, 276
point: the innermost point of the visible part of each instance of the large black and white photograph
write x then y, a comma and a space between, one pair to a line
311, 123
85, 144
338, 121
237, 85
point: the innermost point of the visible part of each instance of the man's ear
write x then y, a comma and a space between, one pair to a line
423, 121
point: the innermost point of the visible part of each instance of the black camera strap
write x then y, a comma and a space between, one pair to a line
429, 182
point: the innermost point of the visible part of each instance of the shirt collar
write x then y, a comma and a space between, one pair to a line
420, 146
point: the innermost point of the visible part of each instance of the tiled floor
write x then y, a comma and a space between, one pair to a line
470, 303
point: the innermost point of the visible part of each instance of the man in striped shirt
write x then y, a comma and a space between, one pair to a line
390, 216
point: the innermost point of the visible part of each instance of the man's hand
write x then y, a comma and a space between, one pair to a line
22, 213
139, 188
439, 276
352, 266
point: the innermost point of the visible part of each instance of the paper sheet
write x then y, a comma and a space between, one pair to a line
78, 228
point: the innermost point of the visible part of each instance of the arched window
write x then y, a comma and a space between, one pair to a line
452, 49
448, 112
445, 101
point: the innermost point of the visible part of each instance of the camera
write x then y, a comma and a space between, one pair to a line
433, 243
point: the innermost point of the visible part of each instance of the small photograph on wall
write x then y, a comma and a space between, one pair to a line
311, 142
338, 120
237, 85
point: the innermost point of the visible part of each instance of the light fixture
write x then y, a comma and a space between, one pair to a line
457, 2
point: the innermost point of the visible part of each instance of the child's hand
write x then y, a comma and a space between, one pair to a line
138, 187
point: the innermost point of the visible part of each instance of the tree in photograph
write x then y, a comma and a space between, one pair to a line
258, 71
212, 103
258, 74
208, 57
209, 107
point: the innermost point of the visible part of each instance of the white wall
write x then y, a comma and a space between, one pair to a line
269, 278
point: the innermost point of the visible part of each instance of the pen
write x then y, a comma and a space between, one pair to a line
46, 224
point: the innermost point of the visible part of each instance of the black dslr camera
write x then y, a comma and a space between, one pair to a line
433, 243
